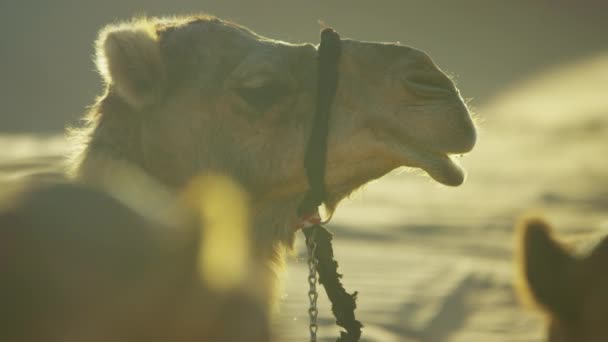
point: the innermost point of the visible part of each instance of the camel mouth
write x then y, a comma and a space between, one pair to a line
442, 167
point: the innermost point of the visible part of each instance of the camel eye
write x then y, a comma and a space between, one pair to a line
264, 95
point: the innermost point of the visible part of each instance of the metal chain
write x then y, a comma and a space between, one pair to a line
311, 247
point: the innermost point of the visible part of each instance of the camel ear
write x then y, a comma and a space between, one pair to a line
129, 59
599, 254
546, 268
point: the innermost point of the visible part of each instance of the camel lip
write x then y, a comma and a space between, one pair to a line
442, 167
447, 171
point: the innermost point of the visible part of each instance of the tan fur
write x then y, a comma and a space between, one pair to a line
196, 95
567, 282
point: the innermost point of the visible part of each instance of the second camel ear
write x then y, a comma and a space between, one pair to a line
547, 268
130, 61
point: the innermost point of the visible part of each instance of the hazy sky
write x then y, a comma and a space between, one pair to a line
48, 78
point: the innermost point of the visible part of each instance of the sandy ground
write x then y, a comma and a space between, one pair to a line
433, 263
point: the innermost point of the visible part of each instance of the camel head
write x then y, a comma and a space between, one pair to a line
394, 107
205, 94
570, 286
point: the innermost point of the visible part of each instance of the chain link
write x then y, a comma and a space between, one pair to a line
311, 247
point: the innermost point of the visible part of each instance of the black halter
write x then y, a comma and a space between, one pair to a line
343, 303
316, 151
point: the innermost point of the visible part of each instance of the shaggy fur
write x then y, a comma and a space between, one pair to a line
567, 282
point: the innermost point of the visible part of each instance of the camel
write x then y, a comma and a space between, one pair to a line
567, 282
78, 265
186, 96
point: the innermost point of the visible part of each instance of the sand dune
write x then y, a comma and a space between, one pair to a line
433, 263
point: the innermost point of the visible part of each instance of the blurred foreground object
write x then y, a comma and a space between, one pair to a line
568, 282
78, 265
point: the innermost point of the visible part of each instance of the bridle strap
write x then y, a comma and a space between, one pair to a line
318, 239
316, 151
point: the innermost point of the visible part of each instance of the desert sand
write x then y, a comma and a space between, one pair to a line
433, 263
